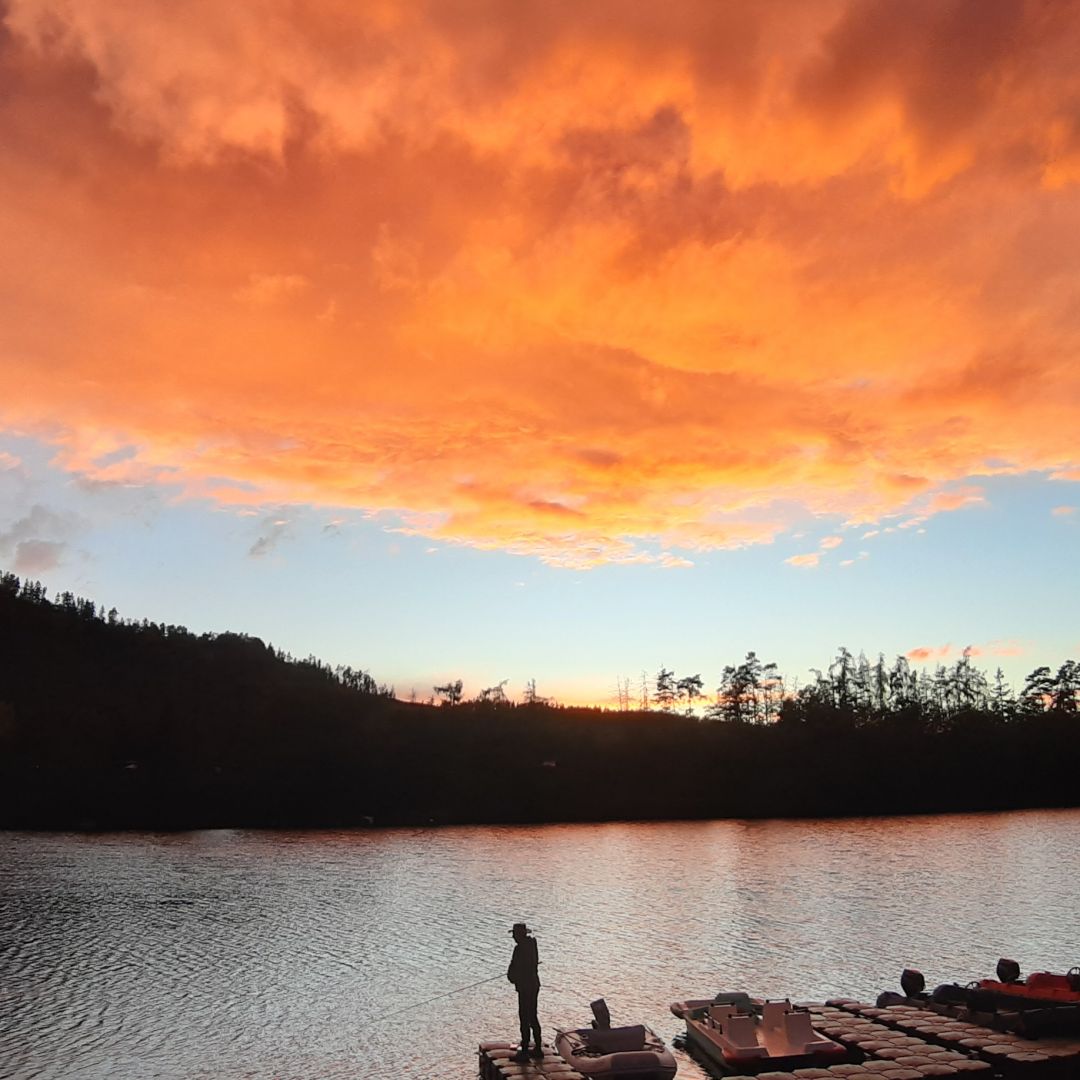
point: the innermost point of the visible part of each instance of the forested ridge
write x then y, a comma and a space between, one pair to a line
110, 723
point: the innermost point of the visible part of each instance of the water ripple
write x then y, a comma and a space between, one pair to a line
280, 955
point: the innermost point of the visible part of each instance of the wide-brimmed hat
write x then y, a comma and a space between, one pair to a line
519, 926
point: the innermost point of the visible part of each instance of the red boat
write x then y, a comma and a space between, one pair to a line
1038, 990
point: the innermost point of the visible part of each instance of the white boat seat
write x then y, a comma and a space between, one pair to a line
739, 1036
773, 1013
800, 1032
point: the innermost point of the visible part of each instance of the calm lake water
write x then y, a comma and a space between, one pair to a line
311, 955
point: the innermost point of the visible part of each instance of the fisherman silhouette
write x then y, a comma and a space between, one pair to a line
524, 975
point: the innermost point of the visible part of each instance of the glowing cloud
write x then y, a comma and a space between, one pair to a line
929, 652
596, 283
925, 653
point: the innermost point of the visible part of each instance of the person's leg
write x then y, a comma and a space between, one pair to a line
534, 1019
526, 1006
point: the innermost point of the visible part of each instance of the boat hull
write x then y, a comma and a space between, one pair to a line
629, 1053
1040, 991
990, 995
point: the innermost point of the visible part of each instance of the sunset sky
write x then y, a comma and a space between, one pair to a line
548, 339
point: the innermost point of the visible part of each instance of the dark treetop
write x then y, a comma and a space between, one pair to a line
107, 723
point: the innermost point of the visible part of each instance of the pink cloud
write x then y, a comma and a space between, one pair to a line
924, 653
954, 500
928, 652
942, 501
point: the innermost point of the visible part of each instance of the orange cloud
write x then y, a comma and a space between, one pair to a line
266, 289
930, 652
956, 499
809, 560
588, 282
940, 652
1063, 511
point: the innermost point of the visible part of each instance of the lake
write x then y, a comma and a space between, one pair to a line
317, 954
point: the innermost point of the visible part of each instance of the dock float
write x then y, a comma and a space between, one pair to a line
933, 1041
895, 1042
496, 1063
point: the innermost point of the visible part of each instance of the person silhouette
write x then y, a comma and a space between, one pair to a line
523, 973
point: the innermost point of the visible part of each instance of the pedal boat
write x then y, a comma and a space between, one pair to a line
747, 1037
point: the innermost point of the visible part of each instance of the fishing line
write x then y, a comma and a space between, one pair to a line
416, 1004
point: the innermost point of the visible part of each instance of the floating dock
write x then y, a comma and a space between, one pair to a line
497, 1063
928, 1042
898, 1042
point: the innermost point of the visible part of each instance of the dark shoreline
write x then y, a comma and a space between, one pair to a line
171, 824
106, 724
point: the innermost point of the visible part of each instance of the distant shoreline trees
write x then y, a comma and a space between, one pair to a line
751, 692
106, 722
857, 693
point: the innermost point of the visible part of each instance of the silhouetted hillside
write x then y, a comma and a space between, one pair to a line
106, 723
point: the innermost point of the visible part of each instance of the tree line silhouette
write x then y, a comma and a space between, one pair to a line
113, 723
854, 692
